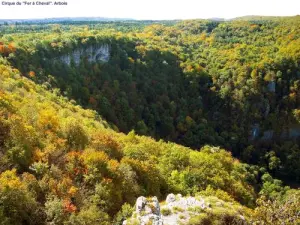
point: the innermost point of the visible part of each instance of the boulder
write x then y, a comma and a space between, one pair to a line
140, 204
147, 212
170, 198
156, 207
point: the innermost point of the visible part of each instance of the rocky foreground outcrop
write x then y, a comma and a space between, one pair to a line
178, 209
147, 211
186, 210
175, 210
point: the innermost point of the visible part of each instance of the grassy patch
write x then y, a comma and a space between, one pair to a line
166, 211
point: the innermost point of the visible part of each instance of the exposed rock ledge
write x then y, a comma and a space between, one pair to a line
177, 210
148, 210
92, 53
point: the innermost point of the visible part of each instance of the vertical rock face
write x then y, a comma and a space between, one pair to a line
272, 86
92, 54
255, 131
76, 55
294, 132
102, 53
66, 59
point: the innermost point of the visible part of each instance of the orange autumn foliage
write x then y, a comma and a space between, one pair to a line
31, 74
11, 47
105, 142
75, 164
69, 206
2, 49
6, 50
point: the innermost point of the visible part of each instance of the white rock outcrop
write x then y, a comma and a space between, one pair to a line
180, 208
171, 198
147, 211
91, 53
140, 204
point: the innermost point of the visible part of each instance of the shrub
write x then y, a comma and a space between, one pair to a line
182, 217
202, 219
278, 212
177, 209
125, 212
17, 206
77, 137
55, 210
89, 215
166, 211
39, 168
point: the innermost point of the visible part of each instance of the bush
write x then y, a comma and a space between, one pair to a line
123, 214
89, 215
21, 143
202, 219
166, 211
76, 135
182, 217
177, 209
55, 211
209, 191
17, 206
39, 168
276, 212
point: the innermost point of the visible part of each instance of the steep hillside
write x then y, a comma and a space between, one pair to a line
58, 159
195, 88
61, 164
232, 84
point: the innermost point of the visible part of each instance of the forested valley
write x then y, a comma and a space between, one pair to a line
95, 114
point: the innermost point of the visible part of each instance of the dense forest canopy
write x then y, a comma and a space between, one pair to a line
232, 84
198, 83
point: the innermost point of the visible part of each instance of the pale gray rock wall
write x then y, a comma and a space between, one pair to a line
93, 53
290, 133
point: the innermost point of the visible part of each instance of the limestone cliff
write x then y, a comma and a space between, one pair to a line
92, 53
